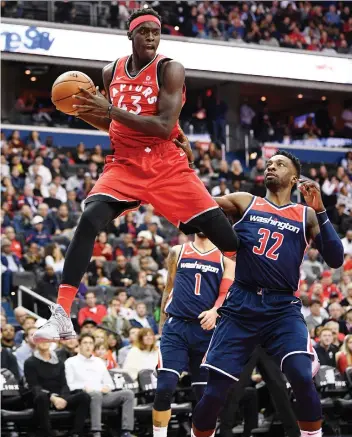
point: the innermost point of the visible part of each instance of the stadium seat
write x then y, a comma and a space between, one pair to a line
27, 279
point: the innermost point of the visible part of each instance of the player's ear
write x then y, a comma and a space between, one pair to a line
294, 180
129, 35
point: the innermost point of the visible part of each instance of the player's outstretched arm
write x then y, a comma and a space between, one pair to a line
171, 274
235, 204
160, 125
319, 227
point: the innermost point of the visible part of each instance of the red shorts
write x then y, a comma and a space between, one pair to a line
158, 175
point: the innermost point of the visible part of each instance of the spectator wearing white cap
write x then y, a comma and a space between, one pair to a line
38, 233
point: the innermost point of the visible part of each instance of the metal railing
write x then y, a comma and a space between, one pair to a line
23, 289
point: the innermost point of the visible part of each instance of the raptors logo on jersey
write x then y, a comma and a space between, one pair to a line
197, 282
138, 95
273, 242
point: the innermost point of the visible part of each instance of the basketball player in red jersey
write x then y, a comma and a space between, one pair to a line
146, 93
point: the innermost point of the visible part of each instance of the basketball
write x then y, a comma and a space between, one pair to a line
65, 86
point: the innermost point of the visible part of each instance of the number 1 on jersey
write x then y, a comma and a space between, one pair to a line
198, 277
265, 235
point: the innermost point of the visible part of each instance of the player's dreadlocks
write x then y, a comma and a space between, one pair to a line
295, 161
140, 12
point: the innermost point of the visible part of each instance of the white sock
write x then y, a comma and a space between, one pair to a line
159, 431
317, 433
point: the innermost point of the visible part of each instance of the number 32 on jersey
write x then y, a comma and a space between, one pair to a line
267, 235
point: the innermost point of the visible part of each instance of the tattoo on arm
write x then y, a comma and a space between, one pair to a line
171, 268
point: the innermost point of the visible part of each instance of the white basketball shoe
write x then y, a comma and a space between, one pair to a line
58, 327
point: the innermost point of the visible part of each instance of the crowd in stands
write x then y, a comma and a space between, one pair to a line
118, 305
315, 26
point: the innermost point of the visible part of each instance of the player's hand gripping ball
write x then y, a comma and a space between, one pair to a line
69, 84
92, 103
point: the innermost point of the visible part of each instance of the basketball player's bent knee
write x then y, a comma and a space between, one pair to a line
215, 225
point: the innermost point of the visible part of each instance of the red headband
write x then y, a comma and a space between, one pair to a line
142, 19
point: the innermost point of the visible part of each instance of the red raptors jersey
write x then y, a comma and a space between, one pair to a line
138, 95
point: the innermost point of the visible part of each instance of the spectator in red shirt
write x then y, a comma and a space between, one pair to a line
16, 247
344, 358
102, 249
92, 311
296, 36
328, 286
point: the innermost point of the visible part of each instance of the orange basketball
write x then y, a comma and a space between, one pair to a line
65, 86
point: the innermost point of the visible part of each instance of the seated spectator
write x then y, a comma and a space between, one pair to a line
129, 225
8, 337
338, 337
38, 167
103, 352
315, 318
348, 318
32, 259
344, 357
9, 361
144, 355
27, 323
60, 190
20, 314
347, 243
88, 373
102, 249
48, 284
328, 285
9, 264
72, 204
123, 275
89, 326
335, 314
16, 247
122, 353
49, 222
144, 292
97, 156
100, 336
54, 257
38, 234
26, 349
221, 189
22, 222
127, 248
46, 379
115, 321
68, 349
326, 350
52, 201
114, 343
57, 169
92, 311
63, 219
144, 251
142, 320
127, 303
98, 273
16, 178
81, 156
347, 301
312, 267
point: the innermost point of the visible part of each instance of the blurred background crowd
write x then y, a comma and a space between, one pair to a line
316, 26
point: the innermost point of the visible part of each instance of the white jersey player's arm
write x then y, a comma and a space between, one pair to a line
171, 274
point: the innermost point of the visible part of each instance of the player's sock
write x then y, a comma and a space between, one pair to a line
159, 431
298, 370
208, 408
66, 296
317, 433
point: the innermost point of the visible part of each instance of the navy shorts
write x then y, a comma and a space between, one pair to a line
271, 319
182, 348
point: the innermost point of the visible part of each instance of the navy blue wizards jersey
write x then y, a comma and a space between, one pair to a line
197, 282
272, 245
